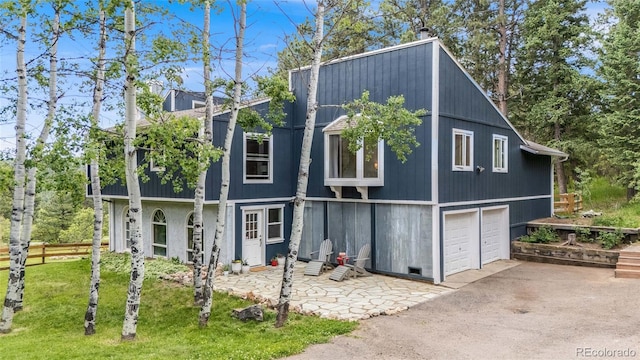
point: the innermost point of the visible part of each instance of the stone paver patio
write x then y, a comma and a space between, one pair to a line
352, 299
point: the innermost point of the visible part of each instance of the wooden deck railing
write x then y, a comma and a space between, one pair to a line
44, 251
568, 203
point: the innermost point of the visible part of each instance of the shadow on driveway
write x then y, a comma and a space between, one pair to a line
531, 311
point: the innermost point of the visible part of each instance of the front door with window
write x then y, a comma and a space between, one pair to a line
253, 239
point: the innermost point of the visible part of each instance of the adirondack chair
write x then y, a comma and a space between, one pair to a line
316, 266
355, 269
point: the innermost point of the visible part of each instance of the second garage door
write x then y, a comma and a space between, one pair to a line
494, 234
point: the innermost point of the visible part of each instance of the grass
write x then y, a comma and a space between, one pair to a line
51, 325
611, 200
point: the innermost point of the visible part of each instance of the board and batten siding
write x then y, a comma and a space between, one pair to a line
528, 174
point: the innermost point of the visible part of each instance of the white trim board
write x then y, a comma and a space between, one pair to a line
494, 201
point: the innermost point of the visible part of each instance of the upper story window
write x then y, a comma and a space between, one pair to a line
365, 167
196, 104
462, 150
500, 153
258, 158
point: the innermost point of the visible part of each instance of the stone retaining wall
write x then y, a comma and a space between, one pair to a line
563, 255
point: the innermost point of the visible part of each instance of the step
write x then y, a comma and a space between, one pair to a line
629, 274
630, 254
627, 266
629, 260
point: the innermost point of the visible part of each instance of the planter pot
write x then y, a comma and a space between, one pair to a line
246, 269
225, 273
274, 262
281, 261
236, 267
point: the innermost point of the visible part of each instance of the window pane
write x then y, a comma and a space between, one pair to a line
257, 169
160, 251
371, 159
190, 238
274, 231
467, 160
159, 234
334, 151
274, 215
458, 151
347, 161
256, 148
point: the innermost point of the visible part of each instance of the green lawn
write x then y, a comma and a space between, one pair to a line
51, 325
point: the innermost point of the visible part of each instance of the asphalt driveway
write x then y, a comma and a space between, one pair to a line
531, 311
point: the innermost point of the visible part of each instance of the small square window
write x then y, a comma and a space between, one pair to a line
275, 225
500, 153
462, 150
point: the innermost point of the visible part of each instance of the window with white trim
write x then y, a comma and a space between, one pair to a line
500, 153
155, 168
275, 224
159, 225
126, 225
190, 240
345, 168
462, 150
258, 158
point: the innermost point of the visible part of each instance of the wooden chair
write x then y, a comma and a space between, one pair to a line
347, 270
316, 266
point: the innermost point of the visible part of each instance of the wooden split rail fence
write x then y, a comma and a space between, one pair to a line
43, 251
568, 203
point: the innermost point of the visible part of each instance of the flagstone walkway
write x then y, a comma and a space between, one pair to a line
352, 299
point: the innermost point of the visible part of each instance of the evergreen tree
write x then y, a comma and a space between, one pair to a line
620, 70
551, 74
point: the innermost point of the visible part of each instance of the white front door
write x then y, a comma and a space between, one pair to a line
253, 240
494, 235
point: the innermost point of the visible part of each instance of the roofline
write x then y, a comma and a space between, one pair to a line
544, 150
369, 53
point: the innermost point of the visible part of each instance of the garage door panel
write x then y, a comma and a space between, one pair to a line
458, 239
494, 234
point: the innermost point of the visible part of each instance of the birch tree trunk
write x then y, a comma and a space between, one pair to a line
205, 310
96, 190
198, 248
303, 172
30, 193
133, 186
12, 295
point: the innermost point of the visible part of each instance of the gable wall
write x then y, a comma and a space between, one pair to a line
464, 106
404, 71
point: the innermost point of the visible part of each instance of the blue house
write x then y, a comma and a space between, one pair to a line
455, 204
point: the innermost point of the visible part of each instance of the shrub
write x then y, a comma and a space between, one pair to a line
615, 221
153, 268
609, 240
583, 234
543, 235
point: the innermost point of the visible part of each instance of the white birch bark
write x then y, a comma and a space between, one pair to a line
303, 172
205, 310
30, 193
96, 191
12, 294
133, 186
198, 248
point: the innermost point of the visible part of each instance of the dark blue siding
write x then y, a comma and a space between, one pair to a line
282, 157
528, 175
151, 188
404, 71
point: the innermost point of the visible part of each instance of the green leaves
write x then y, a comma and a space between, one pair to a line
370, 122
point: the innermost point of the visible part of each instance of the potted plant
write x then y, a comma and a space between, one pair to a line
280, 259
245, 266
274, 261
225, 269
236, 266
